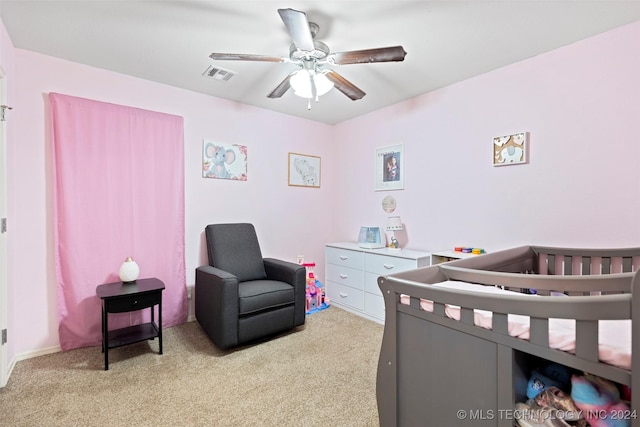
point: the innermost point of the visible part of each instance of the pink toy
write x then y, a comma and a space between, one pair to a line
315, 296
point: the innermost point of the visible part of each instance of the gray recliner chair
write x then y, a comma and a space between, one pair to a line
240, 296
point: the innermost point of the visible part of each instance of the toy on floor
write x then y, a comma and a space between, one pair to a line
316, 299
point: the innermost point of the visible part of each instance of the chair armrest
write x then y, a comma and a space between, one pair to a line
293, 274
215, 273
283, 271
217, 305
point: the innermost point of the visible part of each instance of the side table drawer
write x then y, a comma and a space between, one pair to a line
132, 303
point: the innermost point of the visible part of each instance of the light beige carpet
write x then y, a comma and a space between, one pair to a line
321, 374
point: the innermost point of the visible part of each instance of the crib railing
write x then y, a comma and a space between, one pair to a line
585, 262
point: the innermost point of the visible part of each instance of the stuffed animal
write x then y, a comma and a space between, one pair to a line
599, 401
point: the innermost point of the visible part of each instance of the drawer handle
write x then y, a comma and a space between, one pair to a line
343, 276
343, 295
344, 258
388, 266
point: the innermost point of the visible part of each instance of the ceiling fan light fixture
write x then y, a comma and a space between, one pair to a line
301, 83
312, 80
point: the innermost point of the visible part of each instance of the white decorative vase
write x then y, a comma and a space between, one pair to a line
129, 270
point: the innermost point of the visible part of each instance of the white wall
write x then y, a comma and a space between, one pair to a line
581, 106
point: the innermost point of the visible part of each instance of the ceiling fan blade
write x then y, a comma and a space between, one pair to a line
345, 86
383, 54
298, 27
245, 57
281, 88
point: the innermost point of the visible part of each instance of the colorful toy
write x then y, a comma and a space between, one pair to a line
316, 298
475, 251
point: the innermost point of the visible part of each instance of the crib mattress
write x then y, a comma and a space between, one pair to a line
614, 346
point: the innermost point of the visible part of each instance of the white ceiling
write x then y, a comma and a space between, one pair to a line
170, 41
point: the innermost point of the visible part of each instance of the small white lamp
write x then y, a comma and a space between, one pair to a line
129, 271
394, 224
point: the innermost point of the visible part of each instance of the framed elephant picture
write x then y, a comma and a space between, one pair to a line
224, 161
304, 170
510, 149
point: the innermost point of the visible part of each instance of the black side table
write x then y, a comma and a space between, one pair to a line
121, 297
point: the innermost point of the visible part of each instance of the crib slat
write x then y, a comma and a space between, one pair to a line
568, 265
586, 265
414, 302
542, 264
587, 339
500, 323
438, 309
466, 315
539, 331
551, 264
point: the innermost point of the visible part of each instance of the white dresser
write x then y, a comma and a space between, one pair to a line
352, 275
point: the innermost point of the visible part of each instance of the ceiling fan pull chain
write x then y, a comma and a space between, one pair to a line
312, 80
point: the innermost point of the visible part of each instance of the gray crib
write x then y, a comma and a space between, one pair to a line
437, 371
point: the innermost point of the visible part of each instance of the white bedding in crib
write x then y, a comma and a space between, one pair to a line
614, 335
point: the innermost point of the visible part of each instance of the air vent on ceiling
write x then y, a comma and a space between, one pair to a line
218, 73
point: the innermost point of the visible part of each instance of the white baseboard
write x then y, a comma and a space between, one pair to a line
12, 365
49, 350
29, 355
36, 353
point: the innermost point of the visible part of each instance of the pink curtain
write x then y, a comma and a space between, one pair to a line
118, 192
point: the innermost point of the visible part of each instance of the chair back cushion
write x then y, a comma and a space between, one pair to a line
234, 248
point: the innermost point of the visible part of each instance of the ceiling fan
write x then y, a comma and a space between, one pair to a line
314, 78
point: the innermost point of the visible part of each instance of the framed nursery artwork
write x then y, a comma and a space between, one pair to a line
224, 161
510, 149
389, 168
304, 170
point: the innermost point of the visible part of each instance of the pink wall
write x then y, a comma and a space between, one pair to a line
289, 220
579, 103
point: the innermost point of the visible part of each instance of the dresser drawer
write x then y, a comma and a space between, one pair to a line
374, 305
384, 265
132, 302
345, 276
345, 295
371, 284
345, 257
